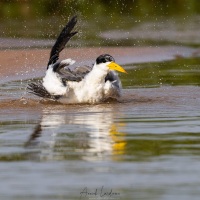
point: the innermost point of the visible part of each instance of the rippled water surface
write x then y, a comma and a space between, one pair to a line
145, 146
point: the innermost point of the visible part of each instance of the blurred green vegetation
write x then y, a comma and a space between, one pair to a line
90, 9
45, 18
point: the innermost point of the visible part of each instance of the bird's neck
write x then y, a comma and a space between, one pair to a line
97, 75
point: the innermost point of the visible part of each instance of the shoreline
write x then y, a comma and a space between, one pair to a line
31, 63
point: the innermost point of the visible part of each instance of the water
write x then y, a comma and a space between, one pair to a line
144, 147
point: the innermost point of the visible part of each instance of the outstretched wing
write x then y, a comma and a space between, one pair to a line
62, 40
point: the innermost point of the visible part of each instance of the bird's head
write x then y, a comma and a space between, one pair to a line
107, 62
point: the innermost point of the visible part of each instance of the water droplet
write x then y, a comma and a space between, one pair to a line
23, 100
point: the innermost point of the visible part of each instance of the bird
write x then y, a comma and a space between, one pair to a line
69, 84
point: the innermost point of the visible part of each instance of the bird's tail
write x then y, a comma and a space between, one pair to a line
62, 40
39, 90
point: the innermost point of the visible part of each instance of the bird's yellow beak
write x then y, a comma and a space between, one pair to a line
115, 66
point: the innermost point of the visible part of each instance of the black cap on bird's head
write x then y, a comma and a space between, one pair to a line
106, 58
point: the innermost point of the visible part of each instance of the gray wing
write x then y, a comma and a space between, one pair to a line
70, 73
114, 91
113, 77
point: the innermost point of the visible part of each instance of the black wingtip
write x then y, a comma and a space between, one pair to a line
74, 19
62, 40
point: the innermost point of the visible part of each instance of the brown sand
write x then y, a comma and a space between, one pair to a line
31, 63
15, 61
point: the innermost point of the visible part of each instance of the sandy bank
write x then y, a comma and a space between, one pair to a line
31, 63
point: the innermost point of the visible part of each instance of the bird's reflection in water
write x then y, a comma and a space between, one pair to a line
86, 132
